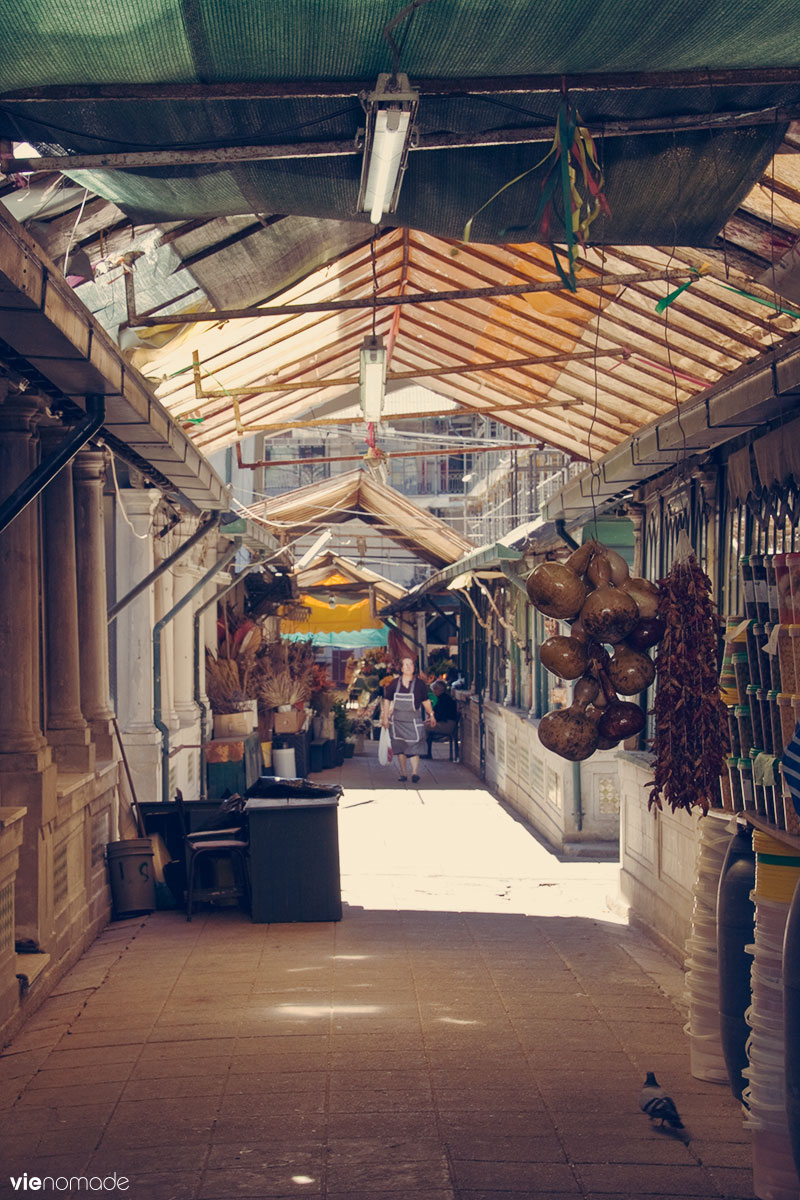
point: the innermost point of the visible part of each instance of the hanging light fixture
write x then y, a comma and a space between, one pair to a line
391, 112
372, 377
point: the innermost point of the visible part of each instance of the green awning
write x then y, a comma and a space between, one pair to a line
343, 641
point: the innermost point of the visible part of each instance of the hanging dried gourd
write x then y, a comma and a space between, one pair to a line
691, 729
613, 623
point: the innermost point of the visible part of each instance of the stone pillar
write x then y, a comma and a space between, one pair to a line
208, 636
20, 728
165, 599
135, 641
208, 623
638, 517
11, 830
204, 633
186, 576
27, 773
88, 475
67, 730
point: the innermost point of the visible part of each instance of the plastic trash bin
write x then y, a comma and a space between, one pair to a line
294, 851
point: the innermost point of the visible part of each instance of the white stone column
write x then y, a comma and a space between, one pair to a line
135, 561
89, 475
208, 625
135, 622
186, 576
165, 599
207, 633
208, 637
67, 730
27, 772
20, 729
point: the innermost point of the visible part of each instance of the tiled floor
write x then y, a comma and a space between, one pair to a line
477, 1026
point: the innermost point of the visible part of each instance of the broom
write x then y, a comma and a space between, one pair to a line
161, 854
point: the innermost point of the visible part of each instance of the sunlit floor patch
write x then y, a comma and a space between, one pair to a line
324, 1010
456, 849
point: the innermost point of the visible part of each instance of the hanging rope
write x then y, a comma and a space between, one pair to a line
518, 641
485, 625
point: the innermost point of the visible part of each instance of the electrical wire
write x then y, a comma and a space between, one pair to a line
456, 440
211, 144
372, 256
409, 11
74, 231
125, 517
678, 416
594, 483
266, 518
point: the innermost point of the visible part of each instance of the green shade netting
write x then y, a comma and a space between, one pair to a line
661, 188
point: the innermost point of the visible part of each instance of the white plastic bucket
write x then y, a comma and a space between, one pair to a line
283, 763
131, 876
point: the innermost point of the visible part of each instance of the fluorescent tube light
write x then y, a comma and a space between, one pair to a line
388, 144
391, 110
372, 377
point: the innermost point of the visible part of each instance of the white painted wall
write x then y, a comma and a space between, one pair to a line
658, 852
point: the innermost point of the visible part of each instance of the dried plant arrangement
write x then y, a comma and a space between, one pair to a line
301, 657
321, 698
229, 680
224, 686
283, 673
280, 689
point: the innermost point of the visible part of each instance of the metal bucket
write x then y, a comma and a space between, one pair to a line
131, 876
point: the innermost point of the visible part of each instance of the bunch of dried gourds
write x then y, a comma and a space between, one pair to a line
607, 607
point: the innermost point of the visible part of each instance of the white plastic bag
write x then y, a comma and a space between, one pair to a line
384, 748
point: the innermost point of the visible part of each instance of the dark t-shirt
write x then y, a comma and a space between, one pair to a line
445, 708
420, 691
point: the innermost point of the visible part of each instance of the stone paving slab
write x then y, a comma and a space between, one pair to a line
477, 1027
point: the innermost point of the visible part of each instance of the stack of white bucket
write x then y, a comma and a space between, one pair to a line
702, 979
774, 1174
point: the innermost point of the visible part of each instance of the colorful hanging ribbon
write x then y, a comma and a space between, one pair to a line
579, 183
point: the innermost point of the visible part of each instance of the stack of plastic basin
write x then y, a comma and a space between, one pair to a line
791, 1008
735, 932
707, 1060
774, 1173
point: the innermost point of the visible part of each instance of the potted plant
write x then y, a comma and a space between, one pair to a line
343, 726
362, 727
321, 701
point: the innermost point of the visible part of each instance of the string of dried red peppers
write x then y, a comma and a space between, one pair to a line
691, 728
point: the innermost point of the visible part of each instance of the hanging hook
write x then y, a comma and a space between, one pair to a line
409, 11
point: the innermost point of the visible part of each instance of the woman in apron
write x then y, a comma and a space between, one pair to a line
404, 702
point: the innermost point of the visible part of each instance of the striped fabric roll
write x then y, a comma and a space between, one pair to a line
790, 763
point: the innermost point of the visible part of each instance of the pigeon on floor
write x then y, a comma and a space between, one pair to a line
658, 1105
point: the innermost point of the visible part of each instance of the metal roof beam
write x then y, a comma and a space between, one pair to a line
370, 302
609, 81
217, 155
